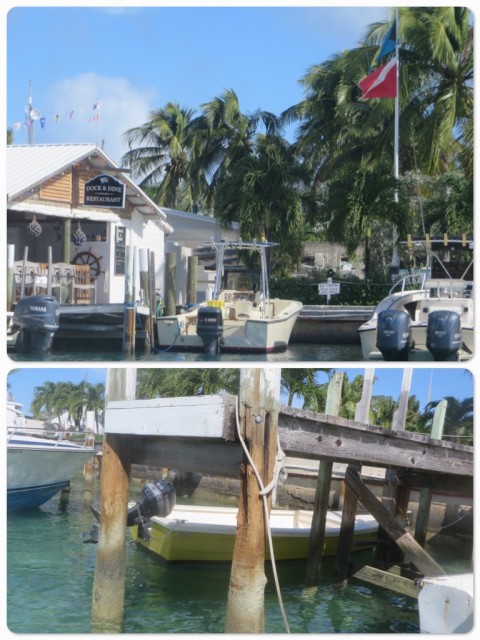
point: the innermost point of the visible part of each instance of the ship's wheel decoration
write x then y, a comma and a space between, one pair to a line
87, 257
34, 228
78, 236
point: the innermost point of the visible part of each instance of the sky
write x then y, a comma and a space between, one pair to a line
131, 60
427, 383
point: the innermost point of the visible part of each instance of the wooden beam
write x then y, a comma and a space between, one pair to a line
412, 550
384, 579
315, 436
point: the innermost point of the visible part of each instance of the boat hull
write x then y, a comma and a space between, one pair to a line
208, 534
36, 472
253, 335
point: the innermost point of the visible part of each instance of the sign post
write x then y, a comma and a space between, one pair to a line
328, 288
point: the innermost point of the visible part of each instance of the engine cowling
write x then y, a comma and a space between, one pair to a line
37, 318
210, 328
444, 334
394, 334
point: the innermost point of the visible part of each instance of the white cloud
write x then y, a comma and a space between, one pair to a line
122, 105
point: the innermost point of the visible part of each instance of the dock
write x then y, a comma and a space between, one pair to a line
329, 324
199, 434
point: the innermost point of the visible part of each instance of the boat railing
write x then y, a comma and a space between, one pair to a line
57, 436
412, 280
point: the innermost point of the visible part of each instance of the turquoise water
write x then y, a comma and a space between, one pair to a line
50, 577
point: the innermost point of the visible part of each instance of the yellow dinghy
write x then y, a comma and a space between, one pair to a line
198, 533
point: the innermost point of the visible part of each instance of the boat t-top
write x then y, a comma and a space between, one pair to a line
241, 317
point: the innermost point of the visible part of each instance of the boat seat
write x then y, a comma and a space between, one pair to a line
244, 309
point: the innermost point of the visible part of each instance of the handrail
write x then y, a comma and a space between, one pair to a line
413, 278
56, 437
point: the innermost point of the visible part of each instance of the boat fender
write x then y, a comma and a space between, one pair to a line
156, 499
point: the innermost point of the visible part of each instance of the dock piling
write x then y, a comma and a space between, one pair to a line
109, 579
259, 390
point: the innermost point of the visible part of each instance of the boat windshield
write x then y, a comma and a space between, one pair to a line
241, 280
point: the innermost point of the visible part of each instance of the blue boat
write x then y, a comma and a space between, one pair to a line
39, 466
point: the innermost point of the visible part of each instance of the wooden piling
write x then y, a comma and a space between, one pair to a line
24, 271
259, 393
170, 283
322, 492
350, 499
67, 233
49, 271
426, 493
109, 579
192, 279
394, 497
10, 275
130, 310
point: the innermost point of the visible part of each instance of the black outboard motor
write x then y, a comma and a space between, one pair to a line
38, 319
394, 334
210, 328
157, 499
444, 334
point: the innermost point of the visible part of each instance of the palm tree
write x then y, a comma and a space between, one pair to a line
162, 158
266, 193
224, 136
42, 405
164, 383
303, 384
338, 131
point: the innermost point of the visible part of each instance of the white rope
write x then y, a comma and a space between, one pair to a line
263, 493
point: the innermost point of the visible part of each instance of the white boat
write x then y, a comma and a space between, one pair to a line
241, 316
199, 533
433, 321
446, 605
38, 466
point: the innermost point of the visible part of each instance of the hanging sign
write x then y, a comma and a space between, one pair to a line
104, 191
119, 251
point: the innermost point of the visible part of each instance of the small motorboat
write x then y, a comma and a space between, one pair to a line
446, 604
431, 321
241, 317
200, 533
39, 466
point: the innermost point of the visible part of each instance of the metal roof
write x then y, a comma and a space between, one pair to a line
28, 166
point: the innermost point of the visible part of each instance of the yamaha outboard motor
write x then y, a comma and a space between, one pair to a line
157, 499
444, 334
37, 318
210, 328
394, 334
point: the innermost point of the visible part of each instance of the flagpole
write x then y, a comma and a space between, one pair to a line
396, 173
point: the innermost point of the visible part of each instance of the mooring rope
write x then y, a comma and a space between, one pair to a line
263, 493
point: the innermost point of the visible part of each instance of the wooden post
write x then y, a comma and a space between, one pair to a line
192, 279
317, 532
130, 311
50, 272
425, 499
259, 393
350, 499
170, 283
143, 267
395, 498
67, 232
109, 579
10, 275
24, 268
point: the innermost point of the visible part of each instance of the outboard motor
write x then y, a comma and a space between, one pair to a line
157, 499
37, 318
394, 334
210, 328
444, 334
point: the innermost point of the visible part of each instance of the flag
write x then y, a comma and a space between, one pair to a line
96, 105
382, 83
388, 44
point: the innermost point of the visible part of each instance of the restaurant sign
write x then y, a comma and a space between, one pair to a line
104, 191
